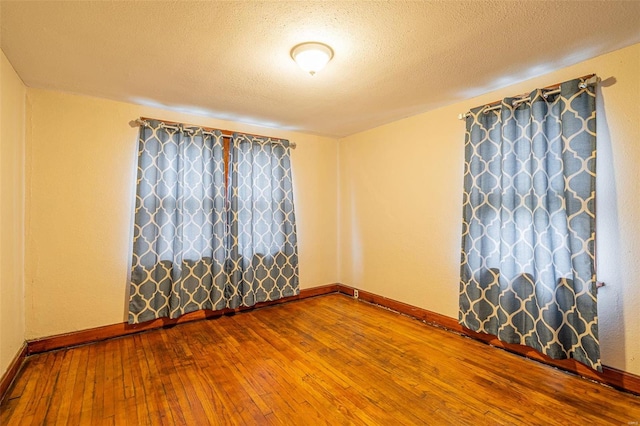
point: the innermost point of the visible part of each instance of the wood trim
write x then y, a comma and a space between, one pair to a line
91, 335
413, 311
12, 371
611, 376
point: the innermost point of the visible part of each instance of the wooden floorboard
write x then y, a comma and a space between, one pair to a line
325, 360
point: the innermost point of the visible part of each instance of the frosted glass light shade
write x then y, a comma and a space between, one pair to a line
312, 56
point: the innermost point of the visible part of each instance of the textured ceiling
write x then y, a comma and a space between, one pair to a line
230, 60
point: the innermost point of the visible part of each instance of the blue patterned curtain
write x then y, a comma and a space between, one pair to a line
527, 270
262, 239
179, 231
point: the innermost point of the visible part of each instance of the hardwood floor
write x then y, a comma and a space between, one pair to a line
325, 360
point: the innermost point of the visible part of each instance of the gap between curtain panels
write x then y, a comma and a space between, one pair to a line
554, 89
143, 121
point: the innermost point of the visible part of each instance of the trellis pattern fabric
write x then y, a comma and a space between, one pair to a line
179, 231
527, 267
263, 251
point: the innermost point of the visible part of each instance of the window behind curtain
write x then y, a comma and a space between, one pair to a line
205, 242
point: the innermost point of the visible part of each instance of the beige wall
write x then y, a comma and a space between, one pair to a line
401, 196
12, 168
81, 159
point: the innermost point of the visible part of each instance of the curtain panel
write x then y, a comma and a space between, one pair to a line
527, 266
263, 253
179, 227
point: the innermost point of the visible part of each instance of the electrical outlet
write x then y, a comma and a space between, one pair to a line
355, 294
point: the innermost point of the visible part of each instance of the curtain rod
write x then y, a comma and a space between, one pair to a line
143, 121
553, 89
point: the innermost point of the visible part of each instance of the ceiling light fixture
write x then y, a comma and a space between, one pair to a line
312, 56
